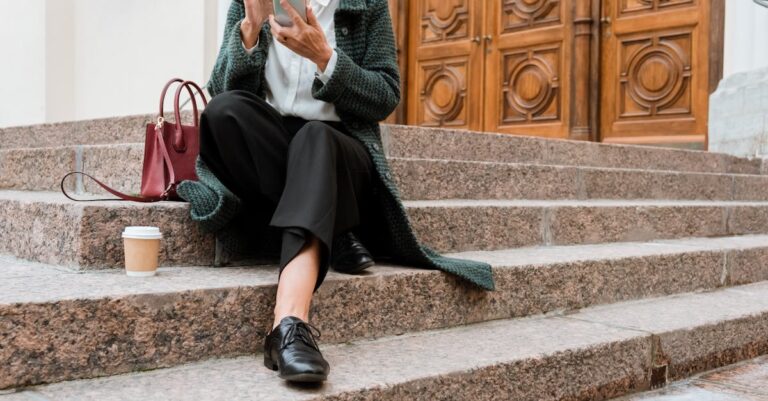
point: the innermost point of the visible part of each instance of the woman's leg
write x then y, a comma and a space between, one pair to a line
309, 173
327, 176
297, 282
244, 143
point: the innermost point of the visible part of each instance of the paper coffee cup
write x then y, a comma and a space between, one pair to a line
142, 249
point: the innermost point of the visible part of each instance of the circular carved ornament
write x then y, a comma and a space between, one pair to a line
443, 94
655, 76
530, 87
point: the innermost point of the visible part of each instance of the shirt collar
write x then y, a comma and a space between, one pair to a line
323, 3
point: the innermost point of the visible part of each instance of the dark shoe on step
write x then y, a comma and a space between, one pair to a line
349, 255
291, 349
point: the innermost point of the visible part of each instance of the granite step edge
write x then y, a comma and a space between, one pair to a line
193, 313
414, 141
138, 147
404, 140
598, 352
40, 169
46, 227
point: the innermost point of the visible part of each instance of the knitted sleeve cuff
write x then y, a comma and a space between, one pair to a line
242, 61
334, 88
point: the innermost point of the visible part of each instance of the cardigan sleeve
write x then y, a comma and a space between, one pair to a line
235, 68
370, 91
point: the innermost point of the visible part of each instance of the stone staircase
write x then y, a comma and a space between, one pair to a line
618, 268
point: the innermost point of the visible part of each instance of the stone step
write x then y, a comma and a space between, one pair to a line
83, 132
189, 313
440, 143
119, 165
427, 143
595, 353
49, 228
742, 381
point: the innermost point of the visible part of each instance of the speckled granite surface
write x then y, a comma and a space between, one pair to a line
36, 169
445, 179
743, 381
103, 130
549, 357
119, 165
458, 225
188, 313
47, 227
700, 331
434, 143
596, 353
421, 142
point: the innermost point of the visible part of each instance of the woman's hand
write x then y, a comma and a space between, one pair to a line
306, 39
256, 12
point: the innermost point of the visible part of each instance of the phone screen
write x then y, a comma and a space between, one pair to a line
283, 18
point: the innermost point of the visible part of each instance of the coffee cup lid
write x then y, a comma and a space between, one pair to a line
143, 232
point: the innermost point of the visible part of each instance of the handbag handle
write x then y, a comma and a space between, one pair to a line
164, 92
176, 112
178, 141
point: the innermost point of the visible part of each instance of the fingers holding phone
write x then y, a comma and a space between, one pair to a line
304, 36
256, 12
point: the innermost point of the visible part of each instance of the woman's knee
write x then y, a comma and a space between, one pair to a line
240, 105
221, 105
315, 133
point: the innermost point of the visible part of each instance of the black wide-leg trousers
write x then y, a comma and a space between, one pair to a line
308, 177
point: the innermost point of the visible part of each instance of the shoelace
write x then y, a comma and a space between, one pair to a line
304, 332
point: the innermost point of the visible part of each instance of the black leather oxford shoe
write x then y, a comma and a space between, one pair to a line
291, 349
349, 255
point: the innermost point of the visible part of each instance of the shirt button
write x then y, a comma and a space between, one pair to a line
376, 147
344, 30
388, 175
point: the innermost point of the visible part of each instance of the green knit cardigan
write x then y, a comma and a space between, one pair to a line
365, 89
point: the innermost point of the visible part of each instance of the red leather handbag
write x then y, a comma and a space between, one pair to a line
170, 150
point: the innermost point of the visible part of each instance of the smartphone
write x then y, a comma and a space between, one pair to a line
283, 18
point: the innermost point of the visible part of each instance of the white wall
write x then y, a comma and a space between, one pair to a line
126, 51
22, 62
83, 59
746, 37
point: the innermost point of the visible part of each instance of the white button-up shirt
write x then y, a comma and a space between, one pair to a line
290, 76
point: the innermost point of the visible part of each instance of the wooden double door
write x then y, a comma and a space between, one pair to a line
612, 70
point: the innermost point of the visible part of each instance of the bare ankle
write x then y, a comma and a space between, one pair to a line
280, 315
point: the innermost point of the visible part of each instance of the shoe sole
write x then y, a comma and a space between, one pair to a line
304, 377
299, 377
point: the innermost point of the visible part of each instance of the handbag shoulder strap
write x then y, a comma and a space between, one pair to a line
166, 164
117, 193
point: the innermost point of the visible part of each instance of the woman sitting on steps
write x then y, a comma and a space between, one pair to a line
293, 131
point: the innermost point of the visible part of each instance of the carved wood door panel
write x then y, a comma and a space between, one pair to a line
528, 56
445, 63
655, 72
